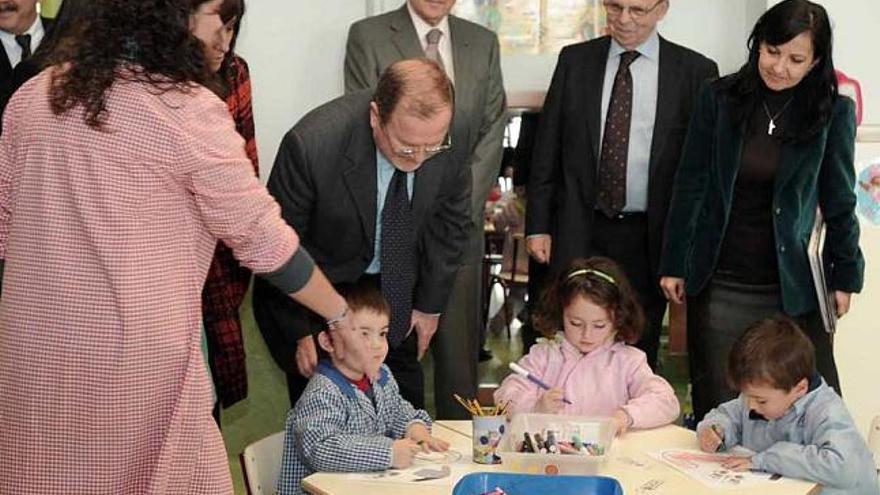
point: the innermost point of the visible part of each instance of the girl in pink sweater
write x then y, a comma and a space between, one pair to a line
592, 371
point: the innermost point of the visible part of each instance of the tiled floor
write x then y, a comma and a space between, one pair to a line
263, 412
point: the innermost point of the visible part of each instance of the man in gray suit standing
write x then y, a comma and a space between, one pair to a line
469, 54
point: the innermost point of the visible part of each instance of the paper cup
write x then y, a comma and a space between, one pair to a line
488, 431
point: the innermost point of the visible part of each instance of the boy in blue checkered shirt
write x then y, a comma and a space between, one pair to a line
351, 417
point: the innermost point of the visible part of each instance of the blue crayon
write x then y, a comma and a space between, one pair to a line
519, 370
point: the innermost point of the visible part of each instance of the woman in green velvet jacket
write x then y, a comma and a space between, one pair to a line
766, 146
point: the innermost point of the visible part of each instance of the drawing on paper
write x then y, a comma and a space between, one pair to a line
707, 469
427, 468
868, 192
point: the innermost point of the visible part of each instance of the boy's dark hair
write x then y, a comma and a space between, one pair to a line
360, 296
772, 351
364, 296
601, 281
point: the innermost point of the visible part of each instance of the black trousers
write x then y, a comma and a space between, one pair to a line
718, 315
402, 360
625, 240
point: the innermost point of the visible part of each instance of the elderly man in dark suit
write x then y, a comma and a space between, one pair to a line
608, 145
469, 55
21, 32
375, 191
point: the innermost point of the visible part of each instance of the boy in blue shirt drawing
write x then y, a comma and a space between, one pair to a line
785, 412
351, 417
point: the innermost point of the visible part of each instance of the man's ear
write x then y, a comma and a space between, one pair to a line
375, 121
325, 340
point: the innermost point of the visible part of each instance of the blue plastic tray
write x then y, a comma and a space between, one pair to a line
536, 484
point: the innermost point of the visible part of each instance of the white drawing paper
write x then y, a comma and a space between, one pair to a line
707, 469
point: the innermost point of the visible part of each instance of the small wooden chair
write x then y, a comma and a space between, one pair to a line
514, 272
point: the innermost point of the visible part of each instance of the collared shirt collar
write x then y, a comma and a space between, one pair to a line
36, 31
349, 389
816, 381
569, 350
649, 49
423, 27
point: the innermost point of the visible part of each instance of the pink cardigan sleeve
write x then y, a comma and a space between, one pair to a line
523, 394
652, 402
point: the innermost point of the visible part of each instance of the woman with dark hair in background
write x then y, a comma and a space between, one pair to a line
216, 24
119, 171
766, 146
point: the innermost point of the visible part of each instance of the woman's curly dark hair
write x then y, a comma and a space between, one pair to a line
581, 279
146, 41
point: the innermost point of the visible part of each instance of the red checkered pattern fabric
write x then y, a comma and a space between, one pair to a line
107, 237
227, 280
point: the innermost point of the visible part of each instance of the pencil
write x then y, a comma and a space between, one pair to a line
465, 404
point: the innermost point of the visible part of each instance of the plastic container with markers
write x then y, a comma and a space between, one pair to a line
598, 432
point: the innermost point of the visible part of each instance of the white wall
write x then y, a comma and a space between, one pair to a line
858, 337
295, 50
855, 23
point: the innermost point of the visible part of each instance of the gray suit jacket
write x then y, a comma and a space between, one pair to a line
324, 178
376, 42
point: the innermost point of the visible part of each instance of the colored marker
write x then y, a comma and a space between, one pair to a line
540, 444
528, 445
519, 370
552, 446
721, 446
576, 442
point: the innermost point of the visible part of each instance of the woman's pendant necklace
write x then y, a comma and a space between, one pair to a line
771, 126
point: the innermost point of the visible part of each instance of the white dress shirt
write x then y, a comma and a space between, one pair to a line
645, 72
445, 45
13, 51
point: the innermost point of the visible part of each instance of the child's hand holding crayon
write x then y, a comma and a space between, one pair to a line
550, 402
711, 438
418, 433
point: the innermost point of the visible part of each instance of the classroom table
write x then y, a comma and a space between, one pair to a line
628, 462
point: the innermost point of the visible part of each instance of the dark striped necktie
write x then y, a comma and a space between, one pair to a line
611, 194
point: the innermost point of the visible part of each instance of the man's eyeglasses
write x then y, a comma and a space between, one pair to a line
615, 9
410, 152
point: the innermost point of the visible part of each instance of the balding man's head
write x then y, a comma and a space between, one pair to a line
416, 87
411, 113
